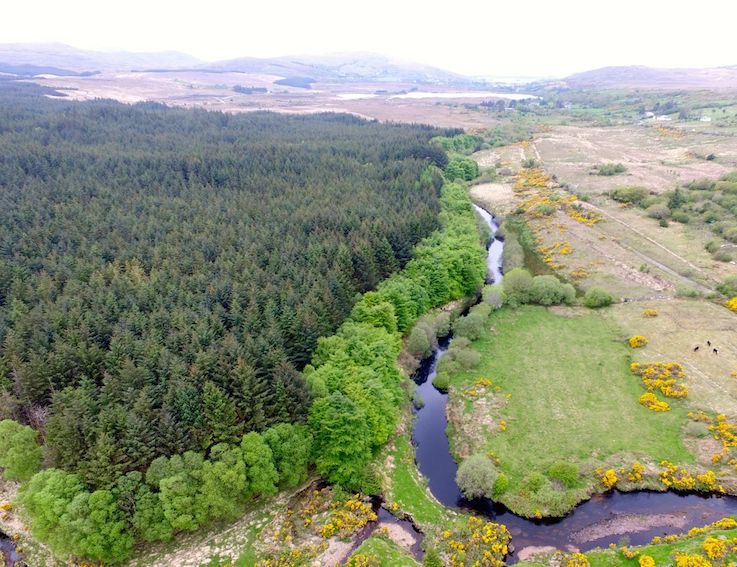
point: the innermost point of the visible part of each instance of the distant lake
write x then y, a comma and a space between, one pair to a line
465, 94
355, 96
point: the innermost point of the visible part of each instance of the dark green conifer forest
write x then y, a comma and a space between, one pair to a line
165, 276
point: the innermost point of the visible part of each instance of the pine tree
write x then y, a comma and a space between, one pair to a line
220, 415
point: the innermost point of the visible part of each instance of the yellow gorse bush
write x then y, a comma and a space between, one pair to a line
608, 478
646, 561
661, 376
691, 560
651, 402
678, 478
715, 548
650, 313
347, 517
732, 304
530, 178
637, 341
479, 543
635, 473
576, 560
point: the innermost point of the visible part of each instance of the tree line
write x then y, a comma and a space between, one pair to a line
165, 274
158, 309
357, 392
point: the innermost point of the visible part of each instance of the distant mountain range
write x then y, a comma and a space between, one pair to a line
60, 59
352, 67
636, 76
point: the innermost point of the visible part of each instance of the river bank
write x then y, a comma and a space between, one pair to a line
601, 520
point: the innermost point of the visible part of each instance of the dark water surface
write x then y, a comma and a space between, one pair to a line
602, 520
8, 555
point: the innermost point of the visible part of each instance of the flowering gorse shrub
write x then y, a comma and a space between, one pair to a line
635, 473
576, 560
478, 543
715, 548
678, 478
348, 517
637, 341
732, 304
608, 478
646, 561
649, 313
651, 402
691, 560
660, 376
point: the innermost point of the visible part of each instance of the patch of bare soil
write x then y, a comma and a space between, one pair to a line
399, 534
336, 553
497, 198
628, 523
532, 550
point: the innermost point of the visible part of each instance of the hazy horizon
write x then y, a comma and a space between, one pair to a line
541, 39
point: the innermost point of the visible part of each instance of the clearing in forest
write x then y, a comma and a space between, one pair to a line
557, 391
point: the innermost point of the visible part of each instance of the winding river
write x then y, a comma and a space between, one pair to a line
598, 522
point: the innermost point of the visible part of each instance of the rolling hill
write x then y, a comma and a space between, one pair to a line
637, 76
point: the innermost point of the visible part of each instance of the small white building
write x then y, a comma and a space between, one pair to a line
705, 118
663, 118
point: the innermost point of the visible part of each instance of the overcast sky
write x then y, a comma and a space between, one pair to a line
475, 37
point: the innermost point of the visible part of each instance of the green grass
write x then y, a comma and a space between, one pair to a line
573, 400
388, 552
409, 492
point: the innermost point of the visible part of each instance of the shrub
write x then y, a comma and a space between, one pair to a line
728, 286
660, 212
732, 304
442, 324
596, 297
697, 429
418, 343
722, 256
476, 476
517, 286
534, 481
730, 234
513, 255
494, 295
712, 246
637, 341
682, 217
549, 290
462, 168
650, 313
566, 473
545, 209
472, 325
690, 292
500, 486
729, 187
529, 163
20, 455
468, 358
432, 559
608, 169
633, 195
701, 184
441, 381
